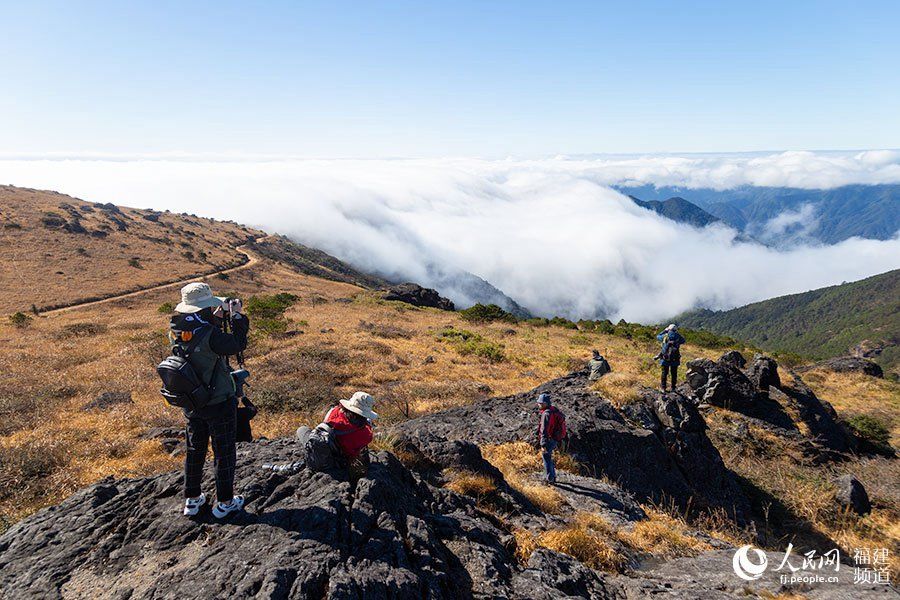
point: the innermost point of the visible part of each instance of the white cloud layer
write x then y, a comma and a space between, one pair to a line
549, 233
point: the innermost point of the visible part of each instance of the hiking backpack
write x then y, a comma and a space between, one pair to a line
670, 351
182, 386
557, 425
321, 449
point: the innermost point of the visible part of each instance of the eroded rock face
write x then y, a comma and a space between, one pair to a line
303, 535
763, 372
416, 295
654, 453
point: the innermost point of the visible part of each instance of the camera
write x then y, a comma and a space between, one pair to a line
240, 378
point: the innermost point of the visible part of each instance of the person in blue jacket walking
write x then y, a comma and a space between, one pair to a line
670, 355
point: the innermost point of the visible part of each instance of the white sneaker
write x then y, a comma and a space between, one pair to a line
192, 505
223, 509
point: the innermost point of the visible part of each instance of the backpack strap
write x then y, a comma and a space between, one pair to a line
192, 345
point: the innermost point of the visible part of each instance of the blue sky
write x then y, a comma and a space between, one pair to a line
382, 79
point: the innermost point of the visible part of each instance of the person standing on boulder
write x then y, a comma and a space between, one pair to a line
550, 431
670, 355
196, 326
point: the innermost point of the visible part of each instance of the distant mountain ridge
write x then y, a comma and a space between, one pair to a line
823, 323
679, 209
868, 211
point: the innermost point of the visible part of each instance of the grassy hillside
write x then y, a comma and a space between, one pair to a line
319, 334
57, 249
820, 323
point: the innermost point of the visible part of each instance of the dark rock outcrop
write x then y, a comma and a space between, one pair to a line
303, 535
759, 392
848, 364
659, 451
763, 372
416, 295
851, 494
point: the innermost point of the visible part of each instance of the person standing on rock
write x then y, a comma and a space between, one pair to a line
551, 431
196, 328
670, 354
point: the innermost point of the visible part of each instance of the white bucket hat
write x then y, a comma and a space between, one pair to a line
195, 297
361, 404
671, 327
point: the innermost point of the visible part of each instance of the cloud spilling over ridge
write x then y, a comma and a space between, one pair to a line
550, 233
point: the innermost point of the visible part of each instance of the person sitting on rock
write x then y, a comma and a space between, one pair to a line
197, 325
551, 431
670, 354
598, 365
348, 426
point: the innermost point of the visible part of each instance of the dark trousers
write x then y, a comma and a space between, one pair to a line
217, 424
666, 369
547, 456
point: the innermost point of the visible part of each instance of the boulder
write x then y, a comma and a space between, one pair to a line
660, 451
108, 400
763, 372
302, 535
416, 295
848, 364
851, 494
722, 384
734, 358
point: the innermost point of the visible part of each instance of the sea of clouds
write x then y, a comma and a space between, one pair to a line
550, 232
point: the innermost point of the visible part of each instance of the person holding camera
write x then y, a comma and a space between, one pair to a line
197, 330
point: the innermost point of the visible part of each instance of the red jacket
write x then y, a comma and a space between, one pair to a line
352, 443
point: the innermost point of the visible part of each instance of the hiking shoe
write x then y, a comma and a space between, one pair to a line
192, 505
223, 509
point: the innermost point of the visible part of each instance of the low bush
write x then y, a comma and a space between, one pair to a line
20, 320
166, 308
81, 330
385, 331
268, 312
487, 313
467, 342
871, 429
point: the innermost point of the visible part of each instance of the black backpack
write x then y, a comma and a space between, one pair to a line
182, 386
321, 450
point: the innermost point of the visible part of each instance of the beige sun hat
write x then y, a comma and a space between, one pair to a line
195, 297
361, 404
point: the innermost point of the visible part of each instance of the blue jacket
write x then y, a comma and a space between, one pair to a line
676, 339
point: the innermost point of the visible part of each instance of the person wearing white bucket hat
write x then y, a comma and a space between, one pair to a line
351, 421
195, 331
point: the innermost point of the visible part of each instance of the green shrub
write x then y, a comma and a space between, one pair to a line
20, 320
563, 322
268, 312
467, 342
870, 428
135, 262
166, 308
487, 313
269, 306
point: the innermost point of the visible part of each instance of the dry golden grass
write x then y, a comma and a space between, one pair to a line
470, 484
74, 266
518, 462
525, 544
662, 535
854, 394
584, 545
